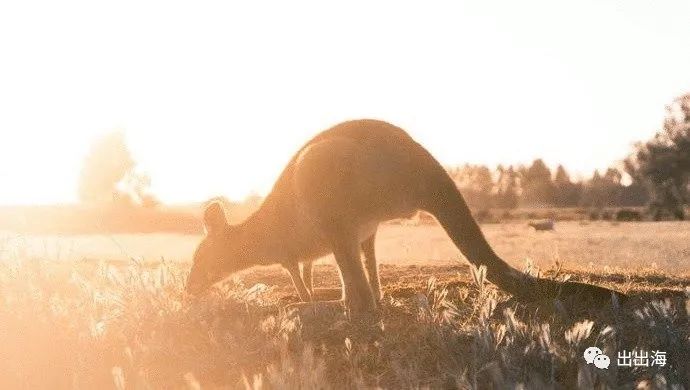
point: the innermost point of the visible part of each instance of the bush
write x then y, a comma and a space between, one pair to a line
628, 215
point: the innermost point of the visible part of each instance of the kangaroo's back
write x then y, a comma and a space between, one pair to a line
371, 132
373, 146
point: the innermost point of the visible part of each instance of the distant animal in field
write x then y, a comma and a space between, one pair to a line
543, 225
331, 198
628, 215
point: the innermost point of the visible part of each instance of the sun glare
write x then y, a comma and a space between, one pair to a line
217, 108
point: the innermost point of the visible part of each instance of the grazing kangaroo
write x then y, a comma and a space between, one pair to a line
331, 198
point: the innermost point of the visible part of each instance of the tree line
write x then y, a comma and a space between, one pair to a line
658, 173
657, 176
535, 185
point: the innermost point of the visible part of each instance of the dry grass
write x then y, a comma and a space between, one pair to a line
102, 325
606, 245
75, 313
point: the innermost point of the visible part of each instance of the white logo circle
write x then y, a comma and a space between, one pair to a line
602, 361
591, 353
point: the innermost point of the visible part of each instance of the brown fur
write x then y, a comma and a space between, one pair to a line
330, 199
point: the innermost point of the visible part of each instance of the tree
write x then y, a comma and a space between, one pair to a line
663, 162
136, 186
612, 182
508, 188
109, 175
603, 190
566, 193
106, 164
476, 184
537, 186
634, 194
592, 195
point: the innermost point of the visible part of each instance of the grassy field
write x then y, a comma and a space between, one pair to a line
77, 312
628, 245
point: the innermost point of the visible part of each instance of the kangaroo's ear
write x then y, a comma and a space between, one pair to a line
214, 218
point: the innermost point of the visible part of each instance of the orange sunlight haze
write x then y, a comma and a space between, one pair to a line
214, 103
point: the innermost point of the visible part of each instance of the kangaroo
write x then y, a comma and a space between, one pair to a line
331, 197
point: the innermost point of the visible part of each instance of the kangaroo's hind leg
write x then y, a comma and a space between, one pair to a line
307, 276
369, 251
356, 290
293, 269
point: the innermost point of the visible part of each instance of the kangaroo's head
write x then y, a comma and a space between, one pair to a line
218, 254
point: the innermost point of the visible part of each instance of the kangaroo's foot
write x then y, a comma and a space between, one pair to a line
362, 315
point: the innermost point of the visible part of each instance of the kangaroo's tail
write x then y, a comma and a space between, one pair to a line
445, 202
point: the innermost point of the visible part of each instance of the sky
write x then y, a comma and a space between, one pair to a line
215, 97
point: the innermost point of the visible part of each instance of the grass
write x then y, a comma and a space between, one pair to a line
630, 245
96, 324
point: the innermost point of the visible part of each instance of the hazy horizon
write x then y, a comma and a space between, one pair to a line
215, 99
